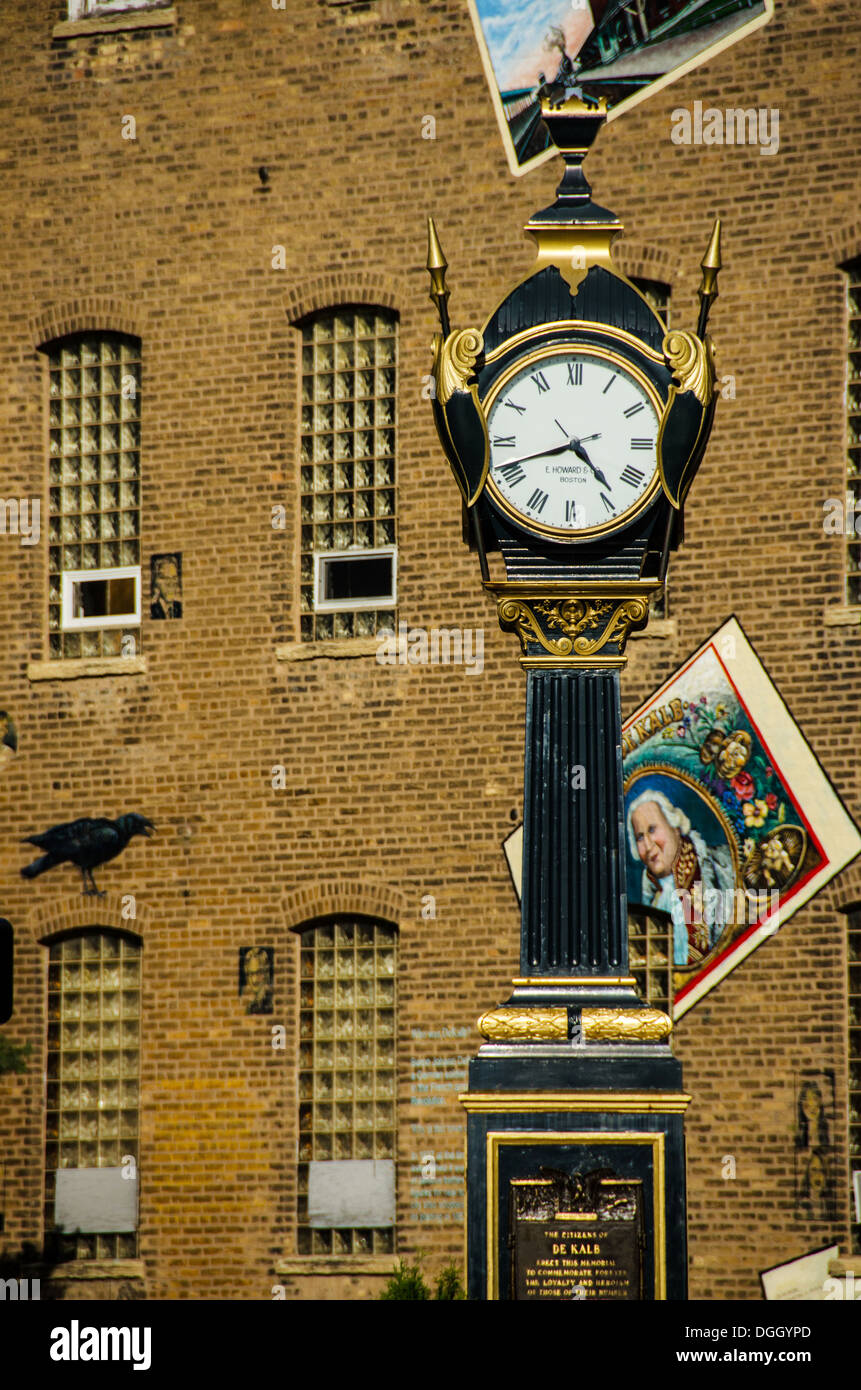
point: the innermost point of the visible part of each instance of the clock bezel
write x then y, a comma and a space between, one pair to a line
555, 349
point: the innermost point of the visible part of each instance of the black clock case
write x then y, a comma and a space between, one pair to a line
603, 304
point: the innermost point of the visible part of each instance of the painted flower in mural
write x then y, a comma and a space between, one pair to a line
735, 752
743, 786
731, 807
755, 813
710, 745
771, 801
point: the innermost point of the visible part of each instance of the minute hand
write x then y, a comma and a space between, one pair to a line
542, 453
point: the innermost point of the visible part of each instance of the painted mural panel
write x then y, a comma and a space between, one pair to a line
613, 51
731, 824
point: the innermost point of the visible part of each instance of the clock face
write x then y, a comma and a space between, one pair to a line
573, 441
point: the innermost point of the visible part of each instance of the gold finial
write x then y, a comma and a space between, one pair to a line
437, 267
710, 265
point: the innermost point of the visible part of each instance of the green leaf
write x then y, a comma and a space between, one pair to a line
448, 1285
406, 1283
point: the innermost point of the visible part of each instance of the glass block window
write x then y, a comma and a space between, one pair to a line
854, 957
94, 472
94, 984
853, 424
348, 452
346, 1064
650, 956
658, 295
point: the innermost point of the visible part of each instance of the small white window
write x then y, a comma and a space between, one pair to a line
82, 9
101, 598
345, 581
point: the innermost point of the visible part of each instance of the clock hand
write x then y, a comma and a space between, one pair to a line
576, 446
543, 453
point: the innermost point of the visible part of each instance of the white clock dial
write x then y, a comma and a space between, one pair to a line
573, 442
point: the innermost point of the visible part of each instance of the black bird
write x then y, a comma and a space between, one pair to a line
86, 842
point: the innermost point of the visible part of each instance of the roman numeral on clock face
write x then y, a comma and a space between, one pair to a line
521, 409
537, 500
607, 503
642, 443
541, 382
512, 473
575, 373
504, 441
631, 475
633, 409
573, 513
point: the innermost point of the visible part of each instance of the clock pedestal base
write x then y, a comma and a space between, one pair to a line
576, 1172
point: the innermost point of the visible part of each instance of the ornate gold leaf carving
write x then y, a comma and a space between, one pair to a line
501, 1024
637, 1025
607, 620
456, 362
692, 363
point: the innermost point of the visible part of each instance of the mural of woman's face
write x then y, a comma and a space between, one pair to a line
810, 1103
657, 841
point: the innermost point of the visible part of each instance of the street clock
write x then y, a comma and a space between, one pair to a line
574, 422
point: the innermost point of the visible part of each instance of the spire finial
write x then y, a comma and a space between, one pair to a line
437, 266
710, 265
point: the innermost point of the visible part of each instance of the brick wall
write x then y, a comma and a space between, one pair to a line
402, 781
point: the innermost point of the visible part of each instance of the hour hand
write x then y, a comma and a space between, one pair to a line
578, 449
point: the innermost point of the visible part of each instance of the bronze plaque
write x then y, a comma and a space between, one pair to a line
577, 1236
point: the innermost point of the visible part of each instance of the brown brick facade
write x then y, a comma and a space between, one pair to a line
401, 781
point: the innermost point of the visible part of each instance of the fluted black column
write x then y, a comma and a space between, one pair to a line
574, 910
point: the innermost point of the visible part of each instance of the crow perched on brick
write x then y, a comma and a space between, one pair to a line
87, 843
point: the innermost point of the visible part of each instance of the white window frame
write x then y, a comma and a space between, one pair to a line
89, 9
71, 577
358, 552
